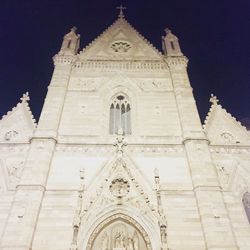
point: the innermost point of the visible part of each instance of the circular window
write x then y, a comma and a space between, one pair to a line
10, 135
120, 47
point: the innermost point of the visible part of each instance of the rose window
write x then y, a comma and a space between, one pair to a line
120, 47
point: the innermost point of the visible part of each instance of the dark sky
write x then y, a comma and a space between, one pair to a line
214, 35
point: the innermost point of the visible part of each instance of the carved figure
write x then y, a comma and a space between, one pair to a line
120, 240
130, 245
105, 242
136, 241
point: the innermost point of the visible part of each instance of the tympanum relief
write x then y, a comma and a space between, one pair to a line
119, 236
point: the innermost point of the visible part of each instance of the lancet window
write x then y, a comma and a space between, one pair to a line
120, 115
246, 203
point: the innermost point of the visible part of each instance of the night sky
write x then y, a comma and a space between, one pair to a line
214, 35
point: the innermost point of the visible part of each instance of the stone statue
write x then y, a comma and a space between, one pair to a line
119, 240
105, 242
136, 241
130, 244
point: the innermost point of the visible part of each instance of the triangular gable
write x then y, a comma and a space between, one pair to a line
120, 42
118, 169
118, 184
18, 124
222, 128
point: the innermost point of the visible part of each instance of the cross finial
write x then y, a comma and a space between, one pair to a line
121, 8
213, 99
120, 143
73, 29
25, 97
168, 31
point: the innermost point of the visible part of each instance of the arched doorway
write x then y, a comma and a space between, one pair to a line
119, 232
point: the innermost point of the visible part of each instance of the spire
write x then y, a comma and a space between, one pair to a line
71, 42
121, 8
170, 44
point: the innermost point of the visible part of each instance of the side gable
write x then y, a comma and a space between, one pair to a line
120, 42
222, 128
18, 124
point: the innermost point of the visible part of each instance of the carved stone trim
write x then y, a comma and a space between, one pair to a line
86, 148
63, 59
119, 187
14, 147
129, 65
178, 149
113, 218
179, 60
230, 150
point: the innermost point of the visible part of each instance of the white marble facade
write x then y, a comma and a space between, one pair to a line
119, 159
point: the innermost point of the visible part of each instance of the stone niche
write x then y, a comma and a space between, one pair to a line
119, 234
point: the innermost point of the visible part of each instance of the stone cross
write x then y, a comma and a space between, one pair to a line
213, 99
120, 143
25, 97
168, 31
121, 8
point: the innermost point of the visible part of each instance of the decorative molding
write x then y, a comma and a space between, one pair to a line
14, 147
229, 149
178, 60
116, 217
66, 60
155, 149
136, 148
107, 66
85, 148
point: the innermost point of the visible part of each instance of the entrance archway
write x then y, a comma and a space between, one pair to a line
119, 232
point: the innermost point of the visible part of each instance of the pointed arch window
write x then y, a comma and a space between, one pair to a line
120, 115
246, 203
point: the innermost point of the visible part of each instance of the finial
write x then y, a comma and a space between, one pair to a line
25, 97
120, 143
213, 99
168, 31
121, 8
73, 29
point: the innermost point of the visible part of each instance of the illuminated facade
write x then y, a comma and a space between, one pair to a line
119, 159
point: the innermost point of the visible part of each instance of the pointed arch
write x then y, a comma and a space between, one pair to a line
246, 204
120, 115
139, 232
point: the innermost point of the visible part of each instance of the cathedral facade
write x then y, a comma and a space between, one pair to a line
119, 159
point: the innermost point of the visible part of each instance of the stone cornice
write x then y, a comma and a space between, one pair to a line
63, 59
109, 148
178, 60
14, 147
230, 149
102, 65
